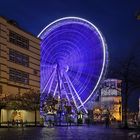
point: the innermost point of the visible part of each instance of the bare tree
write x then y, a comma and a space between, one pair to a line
31, 101
129, 73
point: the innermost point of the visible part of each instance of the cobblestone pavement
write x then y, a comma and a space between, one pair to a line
68, 133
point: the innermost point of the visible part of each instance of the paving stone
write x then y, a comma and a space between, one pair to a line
68, 133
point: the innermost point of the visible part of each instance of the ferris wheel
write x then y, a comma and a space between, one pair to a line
73, 60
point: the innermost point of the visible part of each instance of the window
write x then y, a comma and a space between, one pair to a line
0, 70
18, 58
35, 72
0, 89
0, 49
18, 40
18, 76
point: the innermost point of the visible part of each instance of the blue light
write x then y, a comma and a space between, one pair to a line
78, 47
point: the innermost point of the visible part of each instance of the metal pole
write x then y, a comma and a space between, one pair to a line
59, 89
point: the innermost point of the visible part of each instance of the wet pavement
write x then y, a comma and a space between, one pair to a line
68, 133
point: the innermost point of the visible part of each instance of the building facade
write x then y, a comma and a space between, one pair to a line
19, 60
110, 101
111, 98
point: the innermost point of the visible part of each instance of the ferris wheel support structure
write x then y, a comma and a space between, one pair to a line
74, 59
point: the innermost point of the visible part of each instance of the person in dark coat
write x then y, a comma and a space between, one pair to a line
107, 119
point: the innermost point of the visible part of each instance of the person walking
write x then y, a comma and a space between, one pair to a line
107, 119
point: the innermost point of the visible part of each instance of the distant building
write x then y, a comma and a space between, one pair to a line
19, 62
111, 98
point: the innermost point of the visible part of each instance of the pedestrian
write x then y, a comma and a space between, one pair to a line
13, 122
17, 123
107, 122
50, 122
107, 119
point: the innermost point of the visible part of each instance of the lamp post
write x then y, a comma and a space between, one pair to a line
59, 88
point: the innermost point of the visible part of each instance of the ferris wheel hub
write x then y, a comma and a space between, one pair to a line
62, 67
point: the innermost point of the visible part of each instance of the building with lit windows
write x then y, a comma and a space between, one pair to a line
110, 101
111, 98
19, 63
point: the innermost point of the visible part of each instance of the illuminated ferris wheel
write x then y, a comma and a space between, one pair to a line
73, 60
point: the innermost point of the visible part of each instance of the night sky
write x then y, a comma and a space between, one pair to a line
115, 19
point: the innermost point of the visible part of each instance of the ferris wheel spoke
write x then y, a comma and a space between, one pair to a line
48, 81
55, 90
69, 81
73, 59
62, 85
52, 80
65, 91
71, 92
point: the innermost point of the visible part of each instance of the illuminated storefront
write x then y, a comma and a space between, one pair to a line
19, 67
111, 98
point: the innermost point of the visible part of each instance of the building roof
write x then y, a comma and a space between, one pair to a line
15, 24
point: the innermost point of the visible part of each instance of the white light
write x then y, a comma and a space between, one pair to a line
103, 44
